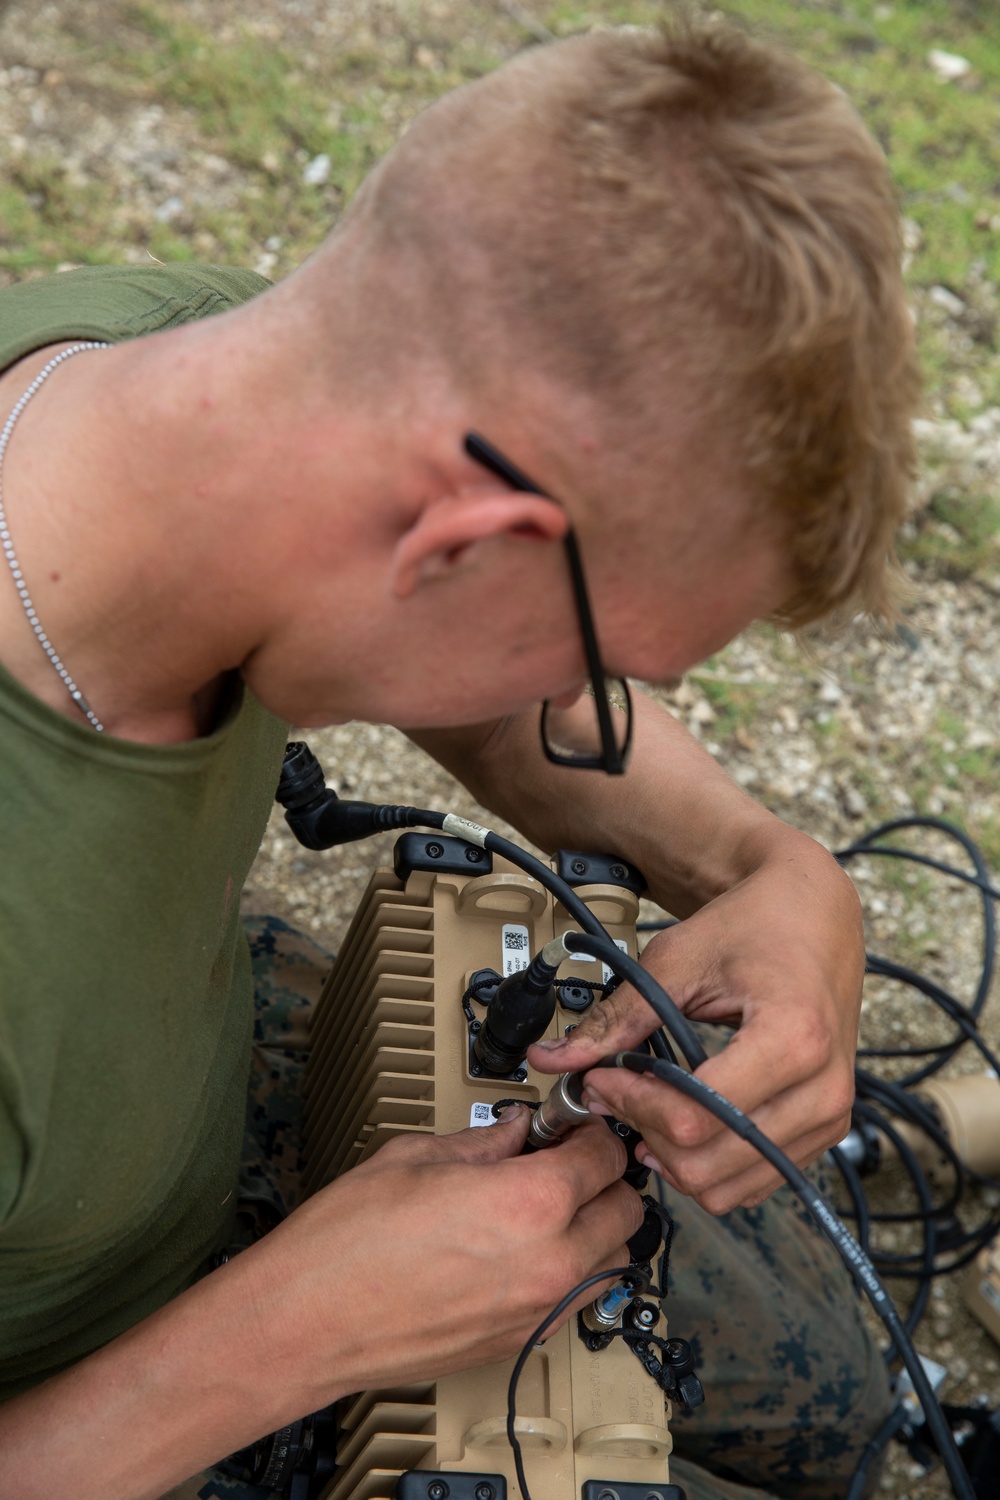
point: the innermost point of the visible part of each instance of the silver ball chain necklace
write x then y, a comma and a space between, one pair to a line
8, 546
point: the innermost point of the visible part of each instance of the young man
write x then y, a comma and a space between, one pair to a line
661, 276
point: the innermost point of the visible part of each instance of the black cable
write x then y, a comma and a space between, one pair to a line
522, 1358
988, 894
981, 882
856, 1193
857, 1263
894, 1422
673, 1019
921, 1187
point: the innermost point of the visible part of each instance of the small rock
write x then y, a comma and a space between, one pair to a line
944, 298
854, 804
317, 171
948, 66
170, 209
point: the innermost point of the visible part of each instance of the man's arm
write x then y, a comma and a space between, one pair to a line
772, 944
381, 1278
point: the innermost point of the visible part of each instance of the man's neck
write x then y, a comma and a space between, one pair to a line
135, 485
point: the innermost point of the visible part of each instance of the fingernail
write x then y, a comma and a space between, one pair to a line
510, 1112
649, 1160
597, 1106
552, 1044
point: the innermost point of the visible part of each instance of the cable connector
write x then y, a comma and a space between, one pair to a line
320, 820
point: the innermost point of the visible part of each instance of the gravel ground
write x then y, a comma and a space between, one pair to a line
833, 735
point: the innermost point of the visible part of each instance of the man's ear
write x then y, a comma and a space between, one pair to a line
440, 539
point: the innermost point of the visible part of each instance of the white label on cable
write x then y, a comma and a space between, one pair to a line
588, 958
481, 1114
605, 971
515, 943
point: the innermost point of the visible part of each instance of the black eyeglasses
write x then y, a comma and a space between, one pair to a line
596, 733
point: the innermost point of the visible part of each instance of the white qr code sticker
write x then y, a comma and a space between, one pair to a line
516, 953
481, 1114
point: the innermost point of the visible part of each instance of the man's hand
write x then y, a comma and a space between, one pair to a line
435, 1255
781, 958
772, 943
460, 1245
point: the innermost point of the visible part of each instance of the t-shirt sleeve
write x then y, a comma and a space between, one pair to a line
113, 303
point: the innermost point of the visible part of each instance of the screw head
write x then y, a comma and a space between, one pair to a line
619, 872
519, 1075
579, 867
608, 1495
434, 851
485, 1492
438, 1490
620, 1128
475, 1027
475, 1069
475, 857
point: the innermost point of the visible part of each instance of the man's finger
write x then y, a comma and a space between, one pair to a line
719, 1190
613, 1025
581, 1165
478, 1146
601, 1225
748, 1072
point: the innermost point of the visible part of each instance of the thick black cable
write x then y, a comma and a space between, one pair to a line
673, 1019
964, 1017
856, 1193
894, 1422
522, 1358
853, 1257
921, 1187
981, 880
982, 883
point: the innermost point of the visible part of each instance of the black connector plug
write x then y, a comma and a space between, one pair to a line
518, 1014
317, 816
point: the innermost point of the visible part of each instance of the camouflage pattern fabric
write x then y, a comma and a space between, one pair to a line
794, 1385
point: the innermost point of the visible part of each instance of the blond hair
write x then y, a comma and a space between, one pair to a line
630, 206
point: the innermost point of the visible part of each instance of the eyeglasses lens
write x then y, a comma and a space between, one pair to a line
573, 735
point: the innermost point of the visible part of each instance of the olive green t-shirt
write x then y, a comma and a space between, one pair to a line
125, 986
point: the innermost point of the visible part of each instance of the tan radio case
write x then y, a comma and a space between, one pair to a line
390, 1053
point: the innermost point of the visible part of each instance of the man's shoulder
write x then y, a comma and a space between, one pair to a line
113, 303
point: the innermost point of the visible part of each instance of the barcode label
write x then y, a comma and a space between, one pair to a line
516, 954
481, 1114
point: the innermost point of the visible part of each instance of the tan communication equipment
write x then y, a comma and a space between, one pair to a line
392, 1053
981, 1288
967, 1111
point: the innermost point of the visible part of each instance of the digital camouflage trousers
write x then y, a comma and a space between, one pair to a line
794, 1385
